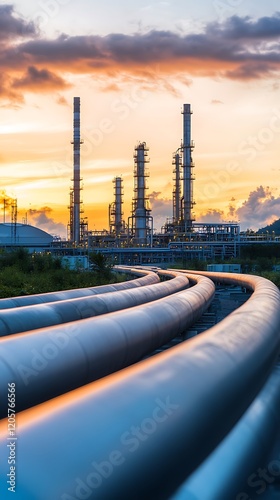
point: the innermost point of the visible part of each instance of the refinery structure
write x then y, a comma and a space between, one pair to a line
134, 241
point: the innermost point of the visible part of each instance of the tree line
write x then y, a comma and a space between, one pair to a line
24, 273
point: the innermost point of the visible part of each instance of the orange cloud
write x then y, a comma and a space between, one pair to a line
41, 80
13, 26
240, 48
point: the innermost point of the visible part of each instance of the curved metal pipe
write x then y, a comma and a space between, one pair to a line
47, 362
147, 278
241, 454
22, 319
248, 281
152, 424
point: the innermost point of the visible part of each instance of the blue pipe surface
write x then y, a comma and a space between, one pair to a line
140, 432
22, 319
49, 361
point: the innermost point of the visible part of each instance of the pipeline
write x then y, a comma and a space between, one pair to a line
231, 471
147, 278
23, 319
148, 427
50, 361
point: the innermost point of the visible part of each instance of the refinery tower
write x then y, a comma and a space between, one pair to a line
75, 193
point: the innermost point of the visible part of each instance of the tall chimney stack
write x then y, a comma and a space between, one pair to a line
75, 230
187, 166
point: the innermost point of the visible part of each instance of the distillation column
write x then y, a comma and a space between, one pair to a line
115, 209
187, 147
76, 199
177, 162
118, 205
141, 212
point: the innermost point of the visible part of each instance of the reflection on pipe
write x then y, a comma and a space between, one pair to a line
227, 471
26, 318
140, 432
47, 362
147, 279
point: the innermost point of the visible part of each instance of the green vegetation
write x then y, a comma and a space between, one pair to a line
269, 251
195, 265
22, 273
101, 265
273, 228
273, 276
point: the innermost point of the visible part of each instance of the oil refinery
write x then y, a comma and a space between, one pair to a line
134, 241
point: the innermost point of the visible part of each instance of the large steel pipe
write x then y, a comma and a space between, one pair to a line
239, 467
47, 362
140, 432
247, 281
26, 318
147, 278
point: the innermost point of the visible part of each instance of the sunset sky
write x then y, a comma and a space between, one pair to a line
134, 65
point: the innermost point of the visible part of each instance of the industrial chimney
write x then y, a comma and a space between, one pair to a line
75, 195
187, 148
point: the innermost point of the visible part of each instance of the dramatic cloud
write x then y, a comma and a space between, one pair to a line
209, 53
245, 28
7, 93
261, 209
39, 80
212, 215
148, 81
13, 26
161, 209
239, 48
41, 218
228, 41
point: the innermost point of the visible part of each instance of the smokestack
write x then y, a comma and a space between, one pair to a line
76, 223
187, 147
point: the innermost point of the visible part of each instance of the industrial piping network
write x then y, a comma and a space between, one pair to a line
232, 468
147, 278
47, 362
143, 431
22, 319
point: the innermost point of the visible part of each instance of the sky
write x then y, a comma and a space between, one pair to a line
134, 65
